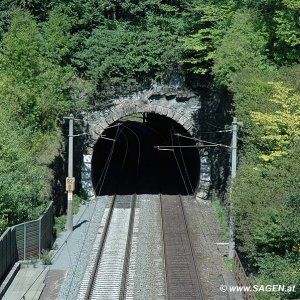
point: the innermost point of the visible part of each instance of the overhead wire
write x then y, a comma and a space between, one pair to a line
139, 147
104, 171
127, 145
215, 126
203, 141
217, 131
183, 161
179, 167
185, 168
134, 124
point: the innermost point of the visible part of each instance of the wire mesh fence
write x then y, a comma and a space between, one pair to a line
241, 278
26, 241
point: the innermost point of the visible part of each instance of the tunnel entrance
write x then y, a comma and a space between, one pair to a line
127, 160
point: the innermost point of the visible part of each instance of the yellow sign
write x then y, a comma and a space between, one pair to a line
70, 184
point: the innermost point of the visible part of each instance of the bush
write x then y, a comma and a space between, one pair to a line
46, 257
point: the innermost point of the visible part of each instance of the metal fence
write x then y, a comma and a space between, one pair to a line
26, 241
241, 277
8, 251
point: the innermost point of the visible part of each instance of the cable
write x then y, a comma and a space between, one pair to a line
203, 141
134, 124
108, 160
110, 156
182, 158
179, 167
187, 174
112, 147
218, 131
139, 145
213, 125
125, 155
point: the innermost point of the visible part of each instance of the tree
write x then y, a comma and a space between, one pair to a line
280, 20
243, 46
32, 80
7, 10
122, 57
207, 24
281, 127
24, 185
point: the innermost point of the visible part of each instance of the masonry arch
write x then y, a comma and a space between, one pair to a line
125, 158
100, 120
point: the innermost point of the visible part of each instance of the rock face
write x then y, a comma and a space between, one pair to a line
185, 107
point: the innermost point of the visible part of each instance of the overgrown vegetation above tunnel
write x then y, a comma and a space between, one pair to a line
57, 56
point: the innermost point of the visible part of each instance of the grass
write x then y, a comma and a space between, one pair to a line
229, 263
61, 221
222, 217
46, 257
59, 224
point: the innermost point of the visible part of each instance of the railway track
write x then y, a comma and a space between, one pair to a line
181, 272
106, 273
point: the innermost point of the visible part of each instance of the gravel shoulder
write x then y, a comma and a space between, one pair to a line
204, 234
74, 253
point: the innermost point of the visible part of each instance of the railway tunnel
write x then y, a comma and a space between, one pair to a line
145, 154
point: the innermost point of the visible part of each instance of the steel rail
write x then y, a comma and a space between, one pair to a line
128, 249
182, 279
192, 249
94, 275
99, 253
163, 244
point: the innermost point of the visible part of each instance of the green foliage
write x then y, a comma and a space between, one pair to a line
229, 263
59, 224
31, 81
46, 257
222, 217
7, 9
281, 127
34, 94
57, 39
281, 20
127, 57
23, 185
243, 40
279, 270
209, 22
39, 9
265, 201
77, 201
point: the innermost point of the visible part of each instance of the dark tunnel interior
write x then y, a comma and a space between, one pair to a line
126, 161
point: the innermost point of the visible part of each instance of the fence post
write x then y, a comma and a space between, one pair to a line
40, 236
24, 254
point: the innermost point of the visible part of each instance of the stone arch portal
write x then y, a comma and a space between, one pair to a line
99, 121
164, 113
